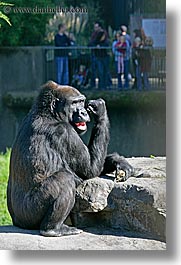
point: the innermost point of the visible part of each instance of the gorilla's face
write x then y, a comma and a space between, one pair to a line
77, 114
67, 104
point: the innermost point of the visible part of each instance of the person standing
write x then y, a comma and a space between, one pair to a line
137, 46
102, 59
121, 47
62, 41
146, 61
121, 50
97, 29
116, 54
73, 57
125, 34
127, 74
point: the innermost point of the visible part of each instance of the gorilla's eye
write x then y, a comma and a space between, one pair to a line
76, 102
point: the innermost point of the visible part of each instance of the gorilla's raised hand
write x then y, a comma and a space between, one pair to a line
97, 107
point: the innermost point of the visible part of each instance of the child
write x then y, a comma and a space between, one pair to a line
79, 77
121, 48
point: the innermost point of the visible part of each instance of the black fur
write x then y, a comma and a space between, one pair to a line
49, 159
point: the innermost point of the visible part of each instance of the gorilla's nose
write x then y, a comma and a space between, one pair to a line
84, 115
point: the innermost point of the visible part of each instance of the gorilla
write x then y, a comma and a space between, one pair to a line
49, 159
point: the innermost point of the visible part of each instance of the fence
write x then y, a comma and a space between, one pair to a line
81, 59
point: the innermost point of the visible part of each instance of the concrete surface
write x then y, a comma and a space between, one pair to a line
14, 238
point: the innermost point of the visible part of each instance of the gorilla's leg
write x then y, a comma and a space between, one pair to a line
47, 205
115, 162
60, 207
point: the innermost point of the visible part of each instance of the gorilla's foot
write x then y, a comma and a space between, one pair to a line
64, 230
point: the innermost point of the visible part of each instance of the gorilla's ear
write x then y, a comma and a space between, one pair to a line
57, 105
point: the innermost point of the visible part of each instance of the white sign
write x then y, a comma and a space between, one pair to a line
155, 28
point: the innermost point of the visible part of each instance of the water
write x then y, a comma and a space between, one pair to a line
141, 133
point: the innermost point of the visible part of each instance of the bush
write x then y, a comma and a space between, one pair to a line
5, 218
28, 29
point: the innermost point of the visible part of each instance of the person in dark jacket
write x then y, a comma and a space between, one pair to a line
142, 60
62, 41
137, 46
102, 58
146, 61
97, 29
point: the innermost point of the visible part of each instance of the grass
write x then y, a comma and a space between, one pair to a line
5, 218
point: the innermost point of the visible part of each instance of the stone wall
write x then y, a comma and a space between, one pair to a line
138, 204
21, 68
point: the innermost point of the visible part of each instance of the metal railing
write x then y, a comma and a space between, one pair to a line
81, 59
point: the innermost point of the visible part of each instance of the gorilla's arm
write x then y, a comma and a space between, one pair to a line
88, 161
98, 143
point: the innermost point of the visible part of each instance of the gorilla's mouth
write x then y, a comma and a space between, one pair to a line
81, 125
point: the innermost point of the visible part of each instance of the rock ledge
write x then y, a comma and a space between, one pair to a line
138, 204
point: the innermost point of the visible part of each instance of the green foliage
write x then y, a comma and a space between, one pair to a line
4, 172
28, 27
152, 156
21, 100
2, 15
155, 6
75, 22
33, 28
80, 23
